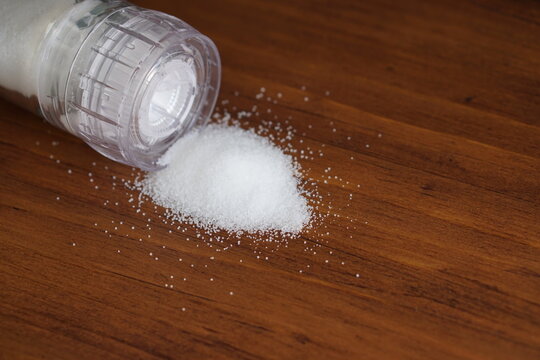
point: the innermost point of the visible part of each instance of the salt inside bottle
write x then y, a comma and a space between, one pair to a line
127, 80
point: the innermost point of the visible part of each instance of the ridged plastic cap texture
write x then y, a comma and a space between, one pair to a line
140, 80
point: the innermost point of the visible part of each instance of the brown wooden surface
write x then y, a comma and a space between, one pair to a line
446, 228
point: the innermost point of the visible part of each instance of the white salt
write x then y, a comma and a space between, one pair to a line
224, 177
24, 25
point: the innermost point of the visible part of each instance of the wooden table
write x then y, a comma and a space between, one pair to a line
445, 229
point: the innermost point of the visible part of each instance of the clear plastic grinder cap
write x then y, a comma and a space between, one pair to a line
140, 80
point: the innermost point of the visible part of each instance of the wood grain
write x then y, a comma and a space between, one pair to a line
446, 223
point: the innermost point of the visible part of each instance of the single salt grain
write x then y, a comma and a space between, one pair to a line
229, 178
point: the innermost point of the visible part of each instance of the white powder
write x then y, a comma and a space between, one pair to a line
23, 25
229, 178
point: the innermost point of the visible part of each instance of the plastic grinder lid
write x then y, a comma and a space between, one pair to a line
141, 79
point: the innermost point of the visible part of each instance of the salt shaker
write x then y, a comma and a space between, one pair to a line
127, 80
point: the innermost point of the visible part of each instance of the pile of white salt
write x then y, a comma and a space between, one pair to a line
224, 177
